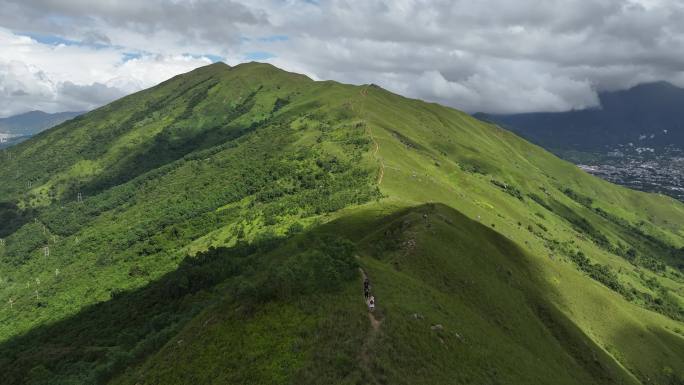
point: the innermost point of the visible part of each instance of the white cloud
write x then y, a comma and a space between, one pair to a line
489, 55
60, 77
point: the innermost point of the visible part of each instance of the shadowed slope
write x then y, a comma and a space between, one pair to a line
496, 323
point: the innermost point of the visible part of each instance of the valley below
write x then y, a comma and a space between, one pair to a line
658, 171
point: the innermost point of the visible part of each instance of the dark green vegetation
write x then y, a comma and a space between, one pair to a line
210, 230
116, 334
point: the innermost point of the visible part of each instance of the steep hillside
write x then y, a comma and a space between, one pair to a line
210, 230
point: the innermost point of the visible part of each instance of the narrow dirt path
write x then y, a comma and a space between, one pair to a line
364, 93
375, 154
366, 355
375, 323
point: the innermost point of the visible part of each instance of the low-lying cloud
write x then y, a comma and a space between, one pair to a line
489, 55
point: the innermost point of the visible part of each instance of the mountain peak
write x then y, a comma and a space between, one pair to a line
256, 64
657, 85
263, 71
31, 113
218, 66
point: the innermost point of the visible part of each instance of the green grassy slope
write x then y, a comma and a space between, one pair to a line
445, 270
266, 175
536, 271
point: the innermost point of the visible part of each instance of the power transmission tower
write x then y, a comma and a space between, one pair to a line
79, 197
11, 302
46, 251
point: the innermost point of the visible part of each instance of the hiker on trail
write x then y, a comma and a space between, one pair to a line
371, 303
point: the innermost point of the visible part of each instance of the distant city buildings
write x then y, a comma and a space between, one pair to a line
659, 171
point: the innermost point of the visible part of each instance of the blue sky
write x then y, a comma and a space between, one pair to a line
259, 55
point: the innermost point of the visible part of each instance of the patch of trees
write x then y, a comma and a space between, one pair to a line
197, 96
101, 137
508, 189
321, 264
577, 197
641, 238
663, 302
581, 224
300, 182
12, 218
636, 259
540, 201
104, 339
278, 104
472, 167
600, 273
635, 232
406, 141
100, 341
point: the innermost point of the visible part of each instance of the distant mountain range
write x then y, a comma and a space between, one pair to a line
635, 138
647, 115
17, 128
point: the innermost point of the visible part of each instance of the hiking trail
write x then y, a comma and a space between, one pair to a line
366, 355
364, 93
375, 323
375, 154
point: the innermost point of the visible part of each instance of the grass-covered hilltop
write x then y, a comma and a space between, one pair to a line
215, 229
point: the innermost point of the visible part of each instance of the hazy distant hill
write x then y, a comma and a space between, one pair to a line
648, 115
211, 230
636, 137
20, 127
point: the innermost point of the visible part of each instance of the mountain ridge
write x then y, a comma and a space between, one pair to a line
226, 211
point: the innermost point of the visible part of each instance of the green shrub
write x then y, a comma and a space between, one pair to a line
508, 188
577, 197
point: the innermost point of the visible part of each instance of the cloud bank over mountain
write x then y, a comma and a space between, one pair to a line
492, 55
